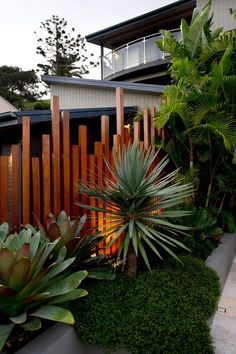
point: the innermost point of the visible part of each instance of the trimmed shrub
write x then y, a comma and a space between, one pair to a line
163, 312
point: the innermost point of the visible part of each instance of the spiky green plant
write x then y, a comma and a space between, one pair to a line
72, 244
30, 285
137, 204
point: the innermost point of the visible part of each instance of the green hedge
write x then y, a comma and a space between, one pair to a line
163, 312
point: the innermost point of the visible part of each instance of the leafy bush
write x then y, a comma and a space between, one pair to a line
31, 287
165, 311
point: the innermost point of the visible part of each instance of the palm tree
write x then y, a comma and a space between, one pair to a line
200, 105
138, 204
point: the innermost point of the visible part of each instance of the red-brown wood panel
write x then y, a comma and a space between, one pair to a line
99, 174
105, 141
83, 160
56, 163
153, 126
120, 113
137, 130
26, 169
92, 201
116, 142
4, 188
146, 128
66, 162
15, 151
46, 176
36, 187
75, 180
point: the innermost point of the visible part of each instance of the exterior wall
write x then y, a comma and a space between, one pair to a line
82, 97
6, 106
222, 17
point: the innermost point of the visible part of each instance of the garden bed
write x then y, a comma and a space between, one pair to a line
62, 339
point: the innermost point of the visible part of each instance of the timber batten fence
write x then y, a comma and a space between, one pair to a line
49, 182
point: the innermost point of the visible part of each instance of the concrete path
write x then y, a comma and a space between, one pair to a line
223, 328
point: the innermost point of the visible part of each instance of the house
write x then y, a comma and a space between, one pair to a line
128, 49
6, 106
77, 93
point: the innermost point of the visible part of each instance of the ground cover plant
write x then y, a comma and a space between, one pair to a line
165, 311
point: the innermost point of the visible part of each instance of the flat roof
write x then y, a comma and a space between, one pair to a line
166, 17
15, 118
102, 84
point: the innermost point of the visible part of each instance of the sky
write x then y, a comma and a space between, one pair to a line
20, 18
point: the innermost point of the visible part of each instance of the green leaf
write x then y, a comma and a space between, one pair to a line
32, 325
54, 313
19, 319
72, 295
5, 331
4, 230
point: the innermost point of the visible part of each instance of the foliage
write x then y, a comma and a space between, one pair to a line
138, 201
64, 51
40, 105
18, 86
31, 287
71, 243
162, 312
199, 107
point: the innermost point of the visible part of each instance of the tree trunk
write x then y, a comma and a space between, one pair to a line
131, 263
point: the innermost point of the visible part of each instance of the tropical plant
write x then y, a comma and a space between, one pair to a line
198, 108
30, 285
71, 243
137, 204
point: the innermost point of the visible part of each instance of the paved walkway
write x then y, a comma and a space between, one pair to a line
223, 327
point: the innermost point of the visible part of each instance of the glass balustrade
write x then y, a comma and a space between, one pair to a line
133, 54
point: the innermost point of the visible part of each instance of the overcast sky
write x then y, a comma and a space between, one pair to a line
20, 18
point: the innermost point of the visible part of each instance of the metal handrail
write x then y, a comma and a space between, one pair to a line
126, 46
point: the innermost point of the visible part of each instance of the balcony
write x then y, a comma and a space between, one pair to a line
133, 54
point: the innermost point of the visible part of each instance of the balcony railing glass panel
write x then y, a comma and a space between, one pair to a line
133, 54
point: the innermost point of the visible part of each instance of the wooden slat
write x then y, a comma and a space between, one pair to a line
4, 188
56, 169
46, 175
146, 128
92, 201
99, 164
105, 140
15, 151
153, 126
66, 162
83, 160
116, 142
126, 136
26, 170
75, 180
120, 113
36, 187
137, 130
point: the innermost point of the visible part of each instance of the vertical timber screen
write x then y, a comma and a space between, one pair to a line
49, 183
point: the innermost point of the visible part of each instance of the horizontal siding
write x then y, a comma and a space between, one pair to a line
220, 8
81, 97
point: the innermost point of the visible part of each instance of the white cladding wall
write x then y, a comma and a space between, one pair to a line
220, 8
81, 97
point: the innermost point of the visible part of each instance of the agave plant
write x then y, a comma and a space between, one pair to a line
30, 285
72, 244
132, 203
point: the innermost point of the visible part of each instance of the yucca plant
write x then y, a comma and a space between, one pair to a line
72, 244
30, 285
137, 204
